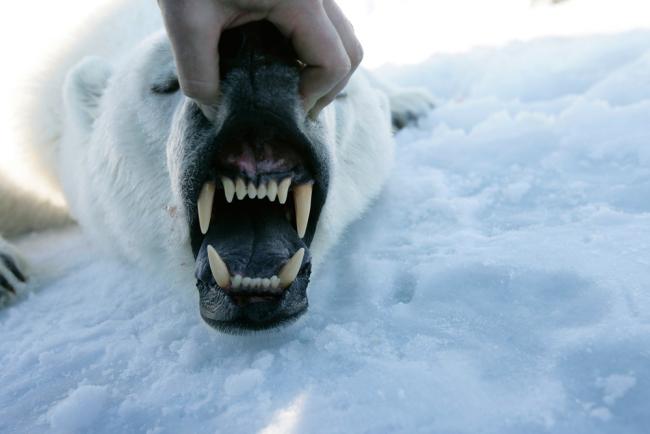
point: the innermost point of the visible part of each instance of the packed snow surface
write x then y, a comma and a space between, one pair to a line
501, 284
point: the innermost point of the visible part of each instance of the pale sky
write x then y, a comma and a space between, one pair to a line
392, 31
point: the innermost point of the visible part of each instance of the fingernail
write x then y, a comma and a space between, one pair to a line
210, 112
313, 114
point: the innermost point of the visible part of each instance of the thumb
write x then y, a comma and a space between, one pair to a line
194, 29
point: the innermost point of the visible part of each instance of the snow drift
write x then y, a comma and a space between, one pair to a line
499, 285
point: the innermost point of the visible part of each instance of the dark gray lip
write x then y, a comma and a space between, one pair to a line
243, 327
220, 312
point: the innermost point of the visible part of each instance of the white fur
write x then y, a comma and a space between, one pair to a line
108, 149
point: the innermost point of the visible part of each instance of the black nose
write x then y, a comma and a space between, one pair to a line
258, 42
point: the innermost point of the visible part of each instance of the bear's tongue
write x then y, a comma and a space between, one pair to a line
253, 239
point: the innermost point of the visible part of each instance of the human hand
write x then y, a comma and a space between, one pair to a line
321, 35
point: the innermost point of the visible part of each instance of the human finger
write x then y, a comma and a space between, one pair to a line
194, 28
317, 44
352, 47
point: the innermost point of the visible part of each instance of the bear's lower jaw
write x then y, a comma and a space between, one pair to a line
255, 319
251, 255
221, 310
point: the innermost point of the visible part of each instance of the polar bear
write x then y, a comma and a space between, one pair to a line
243, 205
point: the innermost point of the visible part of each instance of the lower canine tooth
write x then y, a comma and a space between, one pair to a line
302, 204
228, 188
240, 189
272, 190
283, 190
218, 268
204, 205
290, 270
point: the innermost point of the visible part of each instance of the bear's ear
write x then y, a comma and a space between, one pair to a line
83, 89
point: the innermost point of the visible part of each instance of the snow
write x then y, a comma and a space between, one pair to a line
499, 285
78, 410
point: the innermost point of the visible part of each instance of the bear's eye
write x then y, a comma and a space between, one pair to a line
166, 87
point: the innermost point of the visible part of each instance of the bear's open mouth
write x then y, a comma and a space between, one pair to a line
257, 203
255, 210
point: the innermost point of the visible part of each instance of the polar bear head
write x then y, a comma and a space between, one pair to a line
241, 199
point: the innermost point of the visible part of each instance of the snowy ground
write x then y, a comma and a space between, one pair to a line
500, 285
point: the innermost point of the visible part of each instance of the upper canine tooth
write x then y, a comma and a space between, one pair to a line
228, 188
272, 190
283, 190
218, 268
204, 205
252, 191
302, 204
261, 191
290, 270
240, 189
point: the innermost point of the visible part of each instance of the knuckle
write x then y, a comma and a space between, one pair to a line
199, 91
191, 91
340, 68
356, 54
179, 17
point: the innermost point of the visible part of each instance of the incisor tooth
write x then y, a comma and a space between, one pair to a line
228, 188
266, 283
218, 268
302, 204
283, 190
204, 205
257, 283
272, 190
236, 281
275, 282
261, 191
246, 282
290, 270
240, 189
252, 191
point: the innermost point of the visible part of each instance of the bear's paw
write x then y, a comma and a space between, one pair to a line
13, 276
